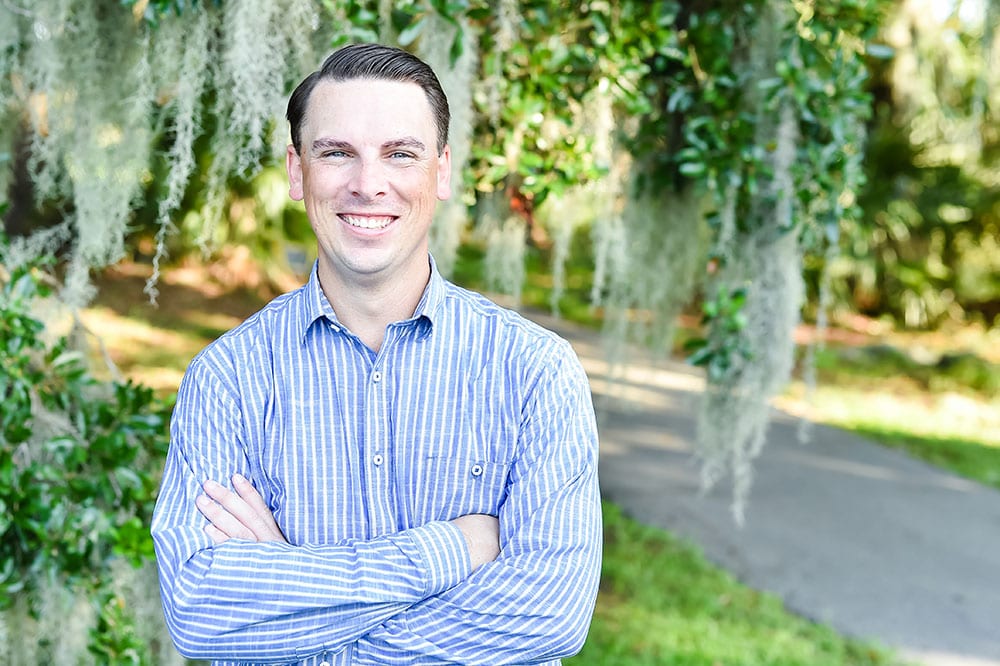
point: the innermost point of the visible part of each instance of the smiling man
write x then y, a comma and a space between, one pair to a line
379, 467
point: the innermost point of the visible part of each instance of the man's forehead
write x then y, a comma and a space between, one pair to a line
388, 108
400, 95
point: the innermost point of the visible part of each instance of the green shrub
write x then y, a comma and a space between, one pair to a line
964, 370
79, 463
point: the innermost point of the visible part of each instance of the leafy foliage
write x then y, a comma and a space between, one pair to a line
77, 471
534, 79
151, 10
925, 252
724, 317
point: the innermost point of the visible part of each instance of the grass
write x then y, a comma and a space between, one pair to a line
965, 457
661, 603
574, 302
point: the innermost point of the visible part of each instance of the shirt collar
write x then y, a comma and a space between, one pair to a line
432, 299
316, 305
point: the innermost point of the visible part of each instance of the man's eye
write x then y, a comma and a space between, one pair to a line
399, 154
335, 153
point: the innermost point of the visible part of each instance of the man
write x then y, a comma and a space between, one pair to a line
379, 467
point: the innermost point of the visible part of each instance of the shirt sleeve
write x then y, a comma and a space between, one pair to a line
535, 602
264, 602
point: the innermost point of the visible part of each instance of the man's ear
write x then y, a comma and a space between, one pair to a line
293, 165
444, 174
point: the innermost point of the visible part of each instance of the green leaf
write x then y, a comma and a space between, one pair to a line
66, 358
692, 169
880, 51
693, 344
702, 356
412, 31
457, 48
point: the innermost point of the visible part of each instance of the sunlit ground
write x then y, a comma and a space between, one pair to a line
947, 415
956, 432
145, 353
153, 344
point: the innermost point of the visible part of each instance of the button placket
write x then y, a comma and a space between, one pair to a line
376, 378
377, 450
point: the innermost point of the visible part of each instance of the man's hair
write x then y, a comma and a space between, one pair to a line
371, 61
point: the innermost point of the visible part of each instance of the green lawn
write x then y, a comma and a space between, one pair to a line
949, 420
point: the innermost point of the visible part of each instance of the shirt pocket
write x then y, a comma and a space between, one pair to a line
453, 486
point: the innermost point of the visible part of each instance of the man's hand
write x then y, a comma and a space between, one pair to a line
237, 515
482, 536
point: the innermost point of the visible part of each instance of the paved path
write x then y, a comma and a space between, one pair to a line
863, 538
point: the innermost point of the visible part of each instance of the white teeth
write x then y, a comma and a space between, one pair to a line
367, 222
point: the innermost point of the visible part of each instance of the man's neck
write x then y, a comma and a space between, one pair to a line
365, 307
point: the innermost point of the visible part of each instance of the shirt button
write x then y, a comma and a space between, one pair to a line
324, 663
477, 470
377, 459
376, 376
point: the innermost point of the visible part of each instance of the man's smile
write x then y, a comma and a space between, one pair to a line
367, 221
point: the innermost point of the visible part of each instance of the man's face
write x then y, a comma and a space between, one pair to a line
369, 175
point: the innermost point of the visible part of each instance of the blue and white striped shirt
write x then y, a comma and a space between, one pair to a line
363, 457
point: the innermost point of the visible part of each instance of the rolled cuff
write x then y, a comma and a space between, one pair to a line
441, 548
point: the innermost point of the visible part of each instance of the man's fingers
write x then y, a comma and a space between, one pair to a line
223, 519
253, 499
217, 535
262, 523
230, 501
242, 514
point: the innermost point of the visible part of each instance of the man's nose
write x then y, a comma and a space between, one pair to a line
368, 180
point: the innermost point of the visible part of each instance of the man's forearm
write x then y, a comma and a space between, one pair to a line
275, 601
233, 588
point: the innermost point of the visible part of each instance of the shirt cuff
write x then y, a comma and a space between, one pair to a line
441, 547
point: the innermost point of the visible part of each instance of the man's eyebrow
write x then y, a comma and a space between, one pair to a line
326, 143
406, 142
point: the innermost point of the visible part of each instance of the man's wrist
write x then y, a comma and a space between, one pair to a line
441, 550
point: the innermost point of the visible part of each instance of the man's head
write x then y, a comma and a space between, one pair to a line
370, 161
376, 62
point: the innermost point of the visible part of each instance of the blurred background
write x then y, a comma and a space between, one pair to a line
799, 197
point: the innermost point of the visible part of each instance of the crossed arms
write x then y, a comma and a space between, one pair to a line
515, 588
242, 514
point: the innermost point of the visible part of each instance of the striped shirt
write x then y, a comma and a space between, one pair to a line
363, 457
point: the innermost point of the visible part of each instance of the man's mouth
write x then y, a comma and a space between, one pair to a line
368, 221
